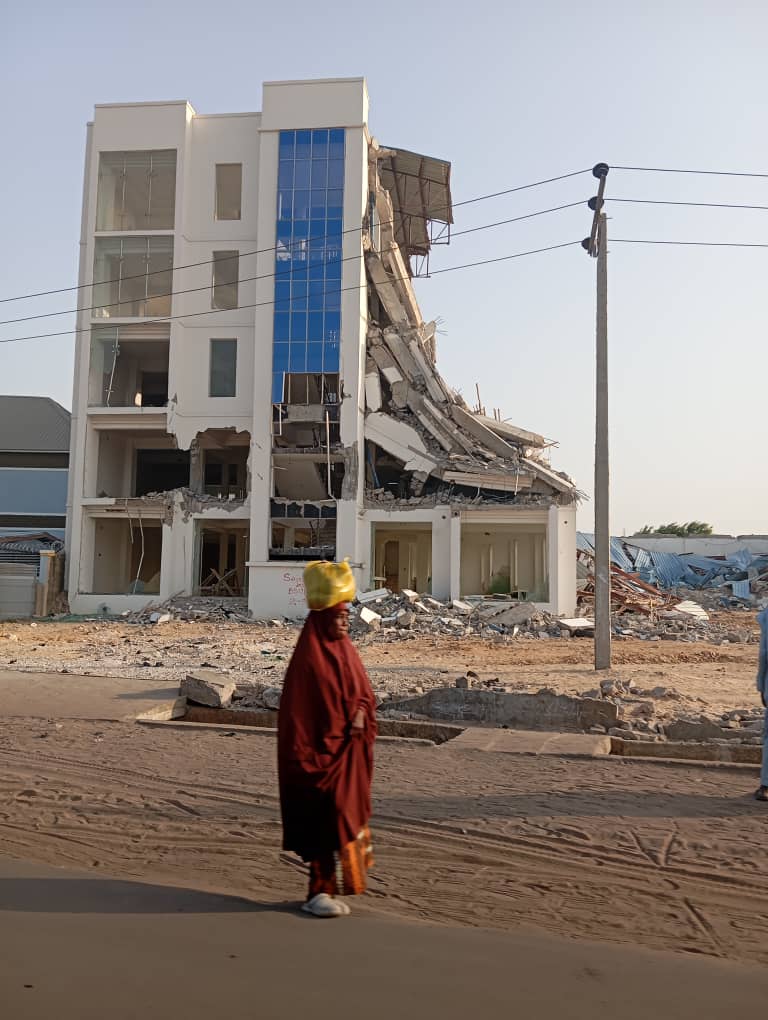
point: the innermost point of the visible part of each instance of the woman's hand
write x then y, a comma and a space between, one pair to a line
358, 720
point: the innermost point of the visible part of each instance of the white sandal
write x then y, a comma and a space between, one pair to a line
324, 905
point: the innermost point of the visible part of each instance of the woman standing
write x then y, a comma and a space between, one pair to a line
326, 731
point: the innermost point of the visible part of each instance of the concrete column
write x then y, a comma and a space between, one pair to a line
441, 553
455, 557
561, 535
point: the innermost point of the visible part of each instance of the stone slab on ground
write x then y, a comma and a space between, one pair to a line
83, 945
204, 687
582, 745
542, 711
71, 696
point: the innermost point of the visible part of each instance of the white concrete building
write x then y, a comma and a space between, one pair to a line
254, 384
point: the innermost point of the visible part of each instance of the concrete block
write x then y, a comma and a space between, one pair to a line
370, 596
412, 596
521, 711
508, 615
463, 608
371, 619
208, 689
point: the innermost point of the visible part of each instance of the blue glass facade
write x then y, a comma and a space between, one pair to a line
310, 202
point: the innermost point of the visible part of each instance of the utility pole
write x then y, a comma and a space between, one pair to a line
597, 246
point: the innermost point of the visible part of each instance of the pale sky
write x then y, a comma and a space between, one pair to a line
510, 93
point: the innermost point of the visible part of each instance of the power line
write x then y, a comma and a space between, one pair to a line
273, 248
706, 205
675, 170
262, 304
693, 244
267, 276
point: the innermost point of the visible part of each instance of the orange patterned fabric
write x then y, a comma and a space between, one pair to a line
343, 874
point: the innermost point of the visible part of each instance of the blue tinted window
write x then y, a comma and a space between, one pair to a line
317, 203
285, 175
333, 267
299, 325
336, 173
301, 173
332, 325
314, 357
298, 358
310, 209
303, 144
335, 200
315, 326
336, 143
301, 204
330, 357
300, 230
280, 357
320, 173
285, 204
282, 325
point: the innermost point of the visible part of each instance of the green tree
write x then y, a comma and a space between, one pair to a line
681, 530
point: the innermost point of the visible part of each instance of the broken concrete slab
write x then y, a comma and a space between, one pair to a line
207, 688
462, 608
580, 626
370, 619
521, 711
701, 729
370, 596
508, 614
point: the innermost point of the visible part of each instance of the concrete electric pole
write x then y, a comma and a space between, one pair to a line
597, 246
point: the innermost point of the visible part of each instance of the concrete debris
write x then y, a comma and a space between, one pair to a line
197, 609
369, 618
208, 689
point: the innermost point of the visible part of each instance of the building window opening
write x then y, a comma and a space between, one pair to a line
129, 367
226, 274
402, 557
223, 554
229, 189
222, 380
127, 556
302, 539
308, 388
132, 276
137, 190
161, 471
225, 473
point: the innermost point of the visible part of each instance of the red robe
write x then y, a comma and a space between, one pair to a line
325, 767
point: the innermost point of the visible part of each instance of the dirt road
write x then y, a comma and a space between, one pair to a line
667, 857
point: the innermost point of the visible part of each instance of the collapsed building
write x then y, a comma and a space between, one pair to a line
255, 385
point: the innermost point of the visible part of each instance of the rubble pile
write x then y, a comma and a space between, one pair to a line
194, 609
407, 616
656, 714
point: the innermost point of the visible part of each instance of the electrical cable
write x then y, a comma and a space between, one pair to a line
265, 276
262, 304
266, 251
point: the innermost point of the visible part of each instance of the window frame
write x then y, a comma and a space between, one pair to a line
217, 198
218, 259
214, 344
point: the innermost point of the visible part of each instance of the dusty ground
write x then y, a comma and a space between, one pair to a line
659, 856
712, 678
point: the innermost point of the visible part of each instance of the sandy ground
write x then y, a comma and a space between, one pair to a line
664, 857
713, 678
